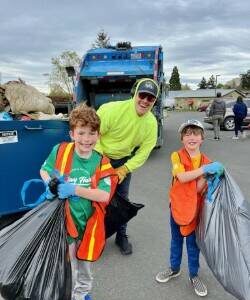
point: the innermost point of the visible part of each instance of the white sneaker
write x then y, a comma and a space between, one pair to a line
243, 135
235, 138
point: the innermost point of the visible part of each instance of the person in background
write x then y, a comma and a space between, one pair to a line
84, 131
240, 112
128, 134
189, 166
191, 104
217, 112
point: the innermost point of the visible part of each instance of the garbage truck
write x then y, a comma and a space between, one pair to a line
108, 74
105, 74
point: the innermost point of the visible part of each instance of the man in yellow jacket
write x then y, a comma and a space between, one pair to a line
128, 134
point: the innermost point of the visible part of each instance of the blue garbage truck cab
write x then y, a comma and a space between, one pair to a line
108, 74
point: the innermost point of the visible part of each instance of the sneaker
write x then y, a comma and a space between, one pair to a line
216, 138
165, 276
198, 286
243, 135
124, 245
235, 137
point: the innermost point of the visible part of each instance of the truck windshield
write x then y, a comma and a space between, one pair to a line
105, 90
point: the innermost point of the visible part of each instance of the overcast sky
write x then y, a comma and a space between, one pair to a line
201, 38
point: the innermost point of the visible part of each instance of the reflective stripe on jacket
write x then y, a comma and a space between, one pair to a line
184, 199
93, 241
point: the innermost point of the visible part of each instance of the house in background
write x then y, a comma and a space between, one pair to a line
193, 99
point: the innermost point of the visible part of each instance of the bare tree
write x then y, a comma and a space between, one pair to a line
59, 82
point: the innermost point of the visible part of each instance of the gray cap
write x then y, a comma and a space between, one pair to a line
148, 86
190, 123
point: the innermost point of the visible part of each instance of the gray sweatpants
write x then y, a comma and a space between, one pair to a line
217, 121
82, 278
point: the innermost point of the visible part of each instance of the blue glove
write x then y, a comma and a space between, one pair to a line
214, 168
66, 190
212, 183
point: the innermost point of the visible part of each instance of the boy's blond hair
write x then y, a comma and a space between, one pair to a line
84, 115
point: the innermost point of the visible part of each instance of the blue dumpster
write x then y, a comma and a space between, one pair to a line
24, 145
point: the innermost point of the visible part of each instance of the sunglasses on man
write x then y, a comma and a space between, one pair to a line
149, 97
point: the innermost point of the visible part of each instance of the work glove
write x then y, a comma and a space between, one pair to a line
212, 183
121, 172
214, 168
66, 190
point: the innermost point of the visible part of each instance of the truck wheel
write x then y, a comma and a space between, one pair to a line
228, 123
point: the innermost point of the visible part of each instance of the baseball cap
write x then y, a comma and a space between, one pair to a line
190, 123
148, 86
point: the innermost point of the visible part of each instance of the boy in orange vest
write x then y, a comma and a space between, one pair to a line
189, 166
84, 131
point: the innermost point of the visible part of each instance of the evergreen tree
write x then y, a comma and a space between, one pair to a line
245, 80
203, 83
174, 82
102, 40
211, 82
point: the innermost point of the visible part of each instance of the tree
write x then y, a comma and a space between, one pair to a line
220, 86
234, 84
174, 82
211, 82
102, 40
245, 80
59, 82
185, 87
203, 83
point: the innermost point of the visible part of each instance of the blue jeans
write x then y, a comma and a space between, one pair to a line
122, 188
193, 251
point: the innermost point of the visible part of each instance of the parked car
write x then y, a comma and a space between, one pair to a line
168, 103
228, 122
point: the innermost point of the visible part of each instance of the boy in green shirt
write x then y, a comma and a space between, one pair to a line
84, 131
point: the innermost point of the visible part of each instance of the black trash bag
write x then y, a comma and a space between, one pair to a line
118, 212
34, 258
223, 235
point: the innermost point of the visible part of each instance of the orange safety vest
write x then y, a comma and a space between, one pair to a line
184, 199
93, 240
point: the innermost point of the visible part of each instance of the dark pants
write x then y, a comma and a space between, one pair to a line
193, 251
238, 125
122, 188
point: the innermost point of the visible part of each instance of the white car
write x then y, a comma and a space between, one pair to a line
228, 122
168, 103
